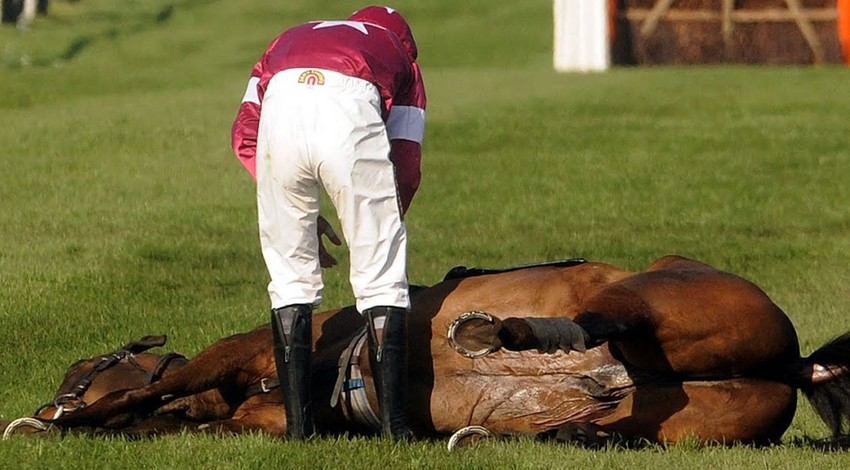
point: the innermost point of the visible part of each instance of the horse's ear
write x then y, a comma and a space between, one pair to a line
145, 343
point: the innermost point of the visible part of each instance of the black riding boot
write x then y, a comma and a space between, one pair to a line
292, 328
388, 360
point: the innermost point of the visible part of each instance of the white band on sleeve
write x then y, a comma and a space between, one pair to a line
406, 122
251, 94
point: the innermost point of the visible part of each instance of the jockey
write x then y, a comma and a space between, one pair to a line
338, 105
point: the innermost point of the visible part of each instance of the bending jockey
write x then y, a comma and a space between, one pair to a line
338, 105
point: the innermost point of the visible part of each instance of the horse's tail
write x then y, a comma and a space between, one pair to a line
825, 379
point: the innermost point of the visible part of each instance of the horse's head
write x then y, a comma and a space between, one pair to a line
129, 367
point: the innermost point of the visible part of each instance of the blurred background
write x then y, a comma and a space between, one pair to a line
640, 32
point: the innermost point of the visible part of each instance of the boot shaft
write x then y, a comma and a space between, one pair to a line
293, 326
387, 329
292, 332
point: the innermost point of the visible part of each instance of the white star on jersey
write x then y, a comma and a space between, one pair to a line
352, 24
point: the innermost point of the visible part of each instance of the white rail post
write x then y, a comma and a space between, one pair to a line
27, 15
581, 36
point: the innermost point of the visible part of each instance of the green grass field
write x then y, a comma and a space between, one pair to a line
123, 212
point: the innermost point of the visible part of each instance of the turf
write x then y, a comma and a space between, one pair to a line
123, 212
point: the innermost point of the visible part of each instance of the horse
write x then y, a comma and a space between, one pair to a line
579, 351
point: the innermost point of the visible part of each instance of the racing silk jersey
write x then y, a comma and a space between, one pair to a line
356, 49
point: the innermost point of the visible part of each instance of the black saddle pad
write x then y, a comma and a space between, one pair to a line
460, 272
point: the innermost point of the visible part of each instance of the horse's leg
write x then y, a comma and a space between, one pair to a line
477, 333
153, 426
235, 359
681, 317
544, 334
699, 322
749, 411
268, 417
584, 434
204, 406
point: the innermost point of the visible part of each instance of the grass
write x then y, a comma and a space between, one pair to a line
263, 452
123, 213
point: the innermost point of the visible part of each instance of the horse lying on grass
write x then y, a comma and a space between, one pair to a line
582, 350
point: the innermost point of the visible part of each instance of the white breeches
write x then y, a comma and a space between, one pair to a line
328, 131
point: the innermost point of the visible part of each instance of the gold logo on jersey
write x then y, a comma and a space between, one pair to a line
312, 77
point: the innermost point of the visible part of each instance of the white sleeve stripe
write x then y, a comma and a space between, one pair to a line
406, 122
251, 95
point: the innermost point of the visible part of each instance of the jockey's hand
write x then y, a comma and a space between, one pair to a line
324, 228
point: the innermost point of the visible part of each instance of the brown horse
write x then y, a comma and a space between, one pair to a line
680, 350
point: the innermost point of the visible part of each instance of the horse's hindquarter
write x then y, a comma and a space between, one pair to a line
694, 320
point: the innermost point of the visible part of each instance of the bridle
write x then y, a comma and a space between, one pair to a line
72, 401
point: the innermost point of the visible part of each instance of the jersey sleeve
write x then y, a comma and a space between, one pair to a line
406, 130
406, 118
243, 134
406, 156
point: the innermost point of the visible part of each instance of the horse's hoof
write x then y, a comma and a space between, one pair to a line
465, 437
32, 423
475, 334
582, 434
